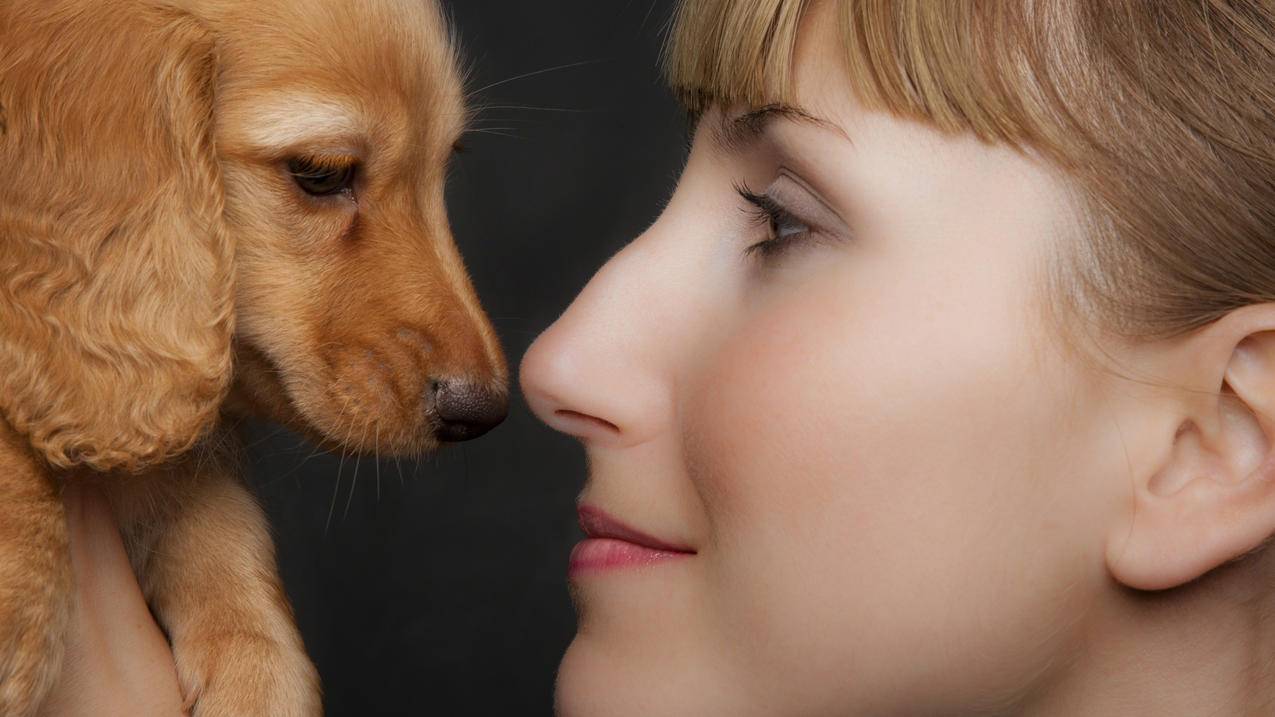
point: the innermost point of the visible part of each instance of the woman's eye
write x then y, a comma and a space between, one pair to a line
321, 181
782, 227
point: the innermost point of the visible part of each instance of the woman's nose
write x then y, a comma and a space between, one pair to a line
596, 372
555, 384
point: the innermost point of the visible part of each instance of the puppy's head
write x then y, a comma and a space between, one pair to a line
233, 183
336, 121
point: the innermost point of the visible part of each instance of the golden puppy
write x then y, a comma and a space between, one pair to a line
212, 206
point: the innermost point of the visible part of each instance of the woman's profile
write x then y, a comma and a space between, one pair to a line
945, 383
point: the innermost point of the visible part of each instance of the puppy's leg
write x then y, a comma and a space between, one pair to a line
209, 574
35, 579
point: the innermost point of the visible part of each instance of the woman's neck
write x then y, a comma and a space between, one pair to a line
1205, 648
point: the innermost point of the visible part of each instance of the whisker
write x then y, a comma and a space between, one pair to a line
494, 132
354, 481
267, 437
533, 73
337, 488
530, 108
499, 119
318, 447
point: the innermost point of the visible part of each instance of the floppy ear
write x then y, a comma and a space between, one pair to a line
1211, 499
115, 268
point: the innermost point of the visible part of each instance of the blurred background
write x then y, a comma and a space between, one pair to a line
439, 586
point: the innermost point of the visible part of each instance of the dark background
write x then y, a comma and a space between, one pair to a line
439, 587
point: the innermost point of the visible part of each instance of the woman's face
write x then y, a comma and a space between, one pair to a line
893, 479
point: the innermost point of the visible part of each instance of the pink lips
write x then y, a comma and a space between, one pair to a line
611, 544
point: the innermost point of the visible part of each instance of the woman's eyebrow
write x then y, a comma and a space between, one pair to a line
736, 133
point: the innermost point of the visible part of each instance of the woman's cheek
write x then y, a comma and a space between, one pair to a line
868, 477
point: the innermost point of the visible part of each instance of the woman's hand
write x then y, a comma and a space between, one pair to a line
117, 660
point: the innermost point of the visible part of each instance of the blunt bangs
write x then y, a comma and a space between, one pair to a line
1160, 113
960, 66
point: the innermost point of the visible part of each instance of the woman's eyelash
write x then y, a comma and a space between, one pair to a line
783, 228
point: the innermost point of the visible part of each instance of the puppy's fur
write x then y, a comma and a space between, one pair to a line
160, 267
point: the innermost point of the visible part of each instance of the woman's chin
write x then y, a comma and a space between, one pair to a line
605, 678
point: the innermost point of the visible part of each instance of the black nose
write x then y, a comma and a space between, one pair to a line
466, 410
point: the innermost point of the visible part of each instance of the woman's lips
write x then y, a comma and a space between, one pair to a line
611, 544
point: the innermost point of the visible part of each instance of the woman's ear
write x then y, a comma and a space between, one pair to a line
1212, 498
115, 269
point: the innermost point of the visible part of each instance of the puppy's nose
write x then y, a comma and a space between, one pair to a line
466, 409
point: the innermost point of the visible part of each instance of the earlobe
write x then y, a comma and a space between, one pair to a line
1211, 499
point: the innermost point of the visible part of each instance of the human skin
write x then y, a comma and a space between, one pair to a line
117, 662
908, 488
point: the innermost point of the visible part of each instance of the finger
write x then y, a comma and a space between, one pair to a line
117, 662
104, 576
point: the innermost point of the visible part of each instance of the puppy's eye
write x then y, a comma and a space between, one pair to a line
319, 180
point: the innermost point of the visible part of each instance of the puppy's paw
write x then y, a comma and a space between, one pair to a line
246, 674
31, 649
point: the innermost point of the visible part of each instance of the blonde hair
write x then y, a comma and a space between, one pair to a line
1162, 113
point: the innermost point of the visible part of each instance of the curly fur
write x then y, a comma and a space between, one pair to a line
159, 270
115, 279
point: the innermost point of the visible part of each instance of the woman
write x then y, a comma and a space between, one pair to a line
945, 384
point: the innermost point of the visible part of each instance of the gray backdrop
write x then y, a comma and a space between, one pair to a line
442, 588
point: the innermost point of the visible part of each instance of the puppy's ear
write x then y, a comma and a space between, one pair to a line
115, 268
